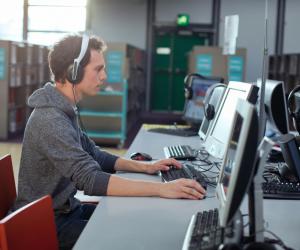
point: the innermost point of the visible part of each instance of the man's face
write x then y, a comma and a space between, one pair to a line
94, 75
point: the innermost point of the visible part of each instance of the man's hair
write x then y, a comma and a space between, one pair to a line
63, 53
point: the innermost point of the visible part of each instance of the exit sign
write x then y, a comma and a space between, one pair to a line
183, 19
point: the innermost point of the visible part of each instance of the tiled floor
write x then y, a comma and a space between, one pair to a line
14, 149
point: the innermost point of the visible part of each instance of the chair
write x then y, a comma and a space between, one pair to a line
7, 185
30, 227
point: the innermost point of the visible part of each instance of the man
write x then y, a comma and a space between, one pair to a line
59, 159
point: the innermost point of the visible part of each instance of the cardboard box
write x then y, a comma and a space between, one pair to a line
210, 61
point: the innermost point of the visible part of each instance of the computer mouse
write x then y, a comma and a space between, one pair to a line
139, 156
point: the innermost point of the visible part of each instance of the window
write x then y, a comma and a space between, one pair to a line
11, 20
49, 20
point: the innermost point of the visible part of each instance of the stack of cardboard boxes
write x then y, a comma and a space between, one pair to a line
210, 61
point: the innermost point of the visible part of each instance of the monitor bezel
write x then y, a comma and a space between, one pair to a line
213, 146
272, 84
243, 171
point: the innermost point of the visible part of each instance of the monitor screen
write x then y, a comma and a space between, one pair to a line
194, 107
239, 161
218, 134
276, 108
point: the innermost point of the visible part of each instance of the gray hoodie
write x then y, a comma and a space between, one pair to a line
57, 157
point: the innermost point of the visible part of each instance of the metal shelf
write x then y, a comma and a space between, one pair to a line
100, 113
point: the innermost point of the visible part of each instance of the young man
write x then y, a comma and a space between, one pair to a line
59, 159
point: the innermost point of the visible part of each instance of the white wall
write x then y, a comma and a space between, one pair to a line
251, 30
120, 21
292, 34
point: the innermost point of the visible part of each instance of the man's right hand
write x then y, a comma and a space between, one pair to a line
182, 188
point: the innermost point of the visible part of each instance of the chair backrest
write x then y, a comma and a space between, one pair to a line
30, 227
7, 185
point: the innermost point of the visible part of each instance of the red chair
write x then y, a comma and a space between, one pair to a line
7, 185
30, 227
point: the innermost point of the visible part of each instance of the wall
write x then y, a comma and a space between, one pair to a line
120, 21
199, 10
292, 35
251, 31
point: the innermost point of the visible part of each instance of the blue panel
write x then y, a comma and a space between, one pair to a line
114, 66
235, 68
204, 64
2, 63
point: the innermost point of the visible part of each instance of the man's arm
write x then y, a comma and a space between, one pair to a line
122, 164
181, 188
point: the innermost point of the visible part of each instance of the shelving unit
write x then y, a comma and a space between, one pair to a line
104, 115
108, 116
286, 68
20, 75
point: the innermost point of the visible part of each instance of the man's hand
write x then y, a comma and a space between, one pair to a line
163, 165
182, 188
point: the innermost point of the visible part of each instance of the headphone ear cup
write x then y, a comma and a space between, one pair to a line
209, 111
69, 74
296, 120
79, 76
188, 93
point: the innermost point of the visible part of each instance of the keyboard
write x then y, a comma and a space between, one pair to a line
191, 131
187, 171
180, 152
204, 231
281, 190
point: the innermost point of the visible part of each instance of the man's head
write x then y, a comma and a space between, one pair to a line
61, 56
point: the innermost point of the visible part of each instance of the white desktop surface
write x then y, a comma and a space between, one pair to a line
157, 223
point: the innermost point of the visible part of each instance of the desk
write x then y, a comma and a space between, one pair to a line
157, 223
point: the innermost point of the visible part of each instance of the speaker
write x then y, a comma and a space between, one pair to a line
75, 71
294, 112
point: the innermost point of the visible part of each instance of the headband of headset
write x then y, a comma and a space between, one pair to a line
77, 61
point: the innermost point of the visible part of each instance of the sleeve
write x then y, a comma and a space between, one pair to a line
105, 159
59, 142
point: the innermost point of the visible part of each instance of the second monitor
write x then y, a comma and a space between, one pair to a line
219, 132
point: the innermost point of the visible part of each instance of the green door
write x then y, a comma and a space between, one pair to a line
170, 66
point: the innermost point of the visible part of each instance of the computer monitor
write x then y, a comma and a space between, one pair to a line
215, 101
276, 107
193, 112
238, 164
219, 131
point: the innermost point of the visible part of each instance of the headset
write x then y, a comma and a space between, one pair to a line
293, 112
209, 109
75, 71
188, 90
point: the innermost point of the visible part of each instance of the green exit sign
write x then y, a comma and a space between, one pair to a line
183, 19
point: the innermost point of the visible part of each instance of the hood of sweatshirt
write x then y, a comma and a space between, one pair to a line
49, 97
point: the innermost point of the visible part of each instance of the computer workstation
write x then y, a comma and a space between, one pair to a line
213, 228
282, 171
154, 223
195, 89
215, 139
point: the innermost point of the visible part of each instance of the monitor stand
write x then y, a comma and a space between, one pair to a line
255, 195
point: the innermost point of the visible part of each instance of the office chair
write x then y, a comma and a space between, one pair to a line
7, 185
30, 227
